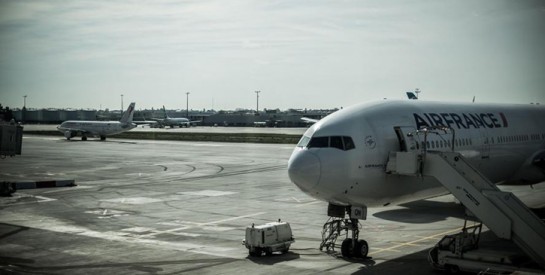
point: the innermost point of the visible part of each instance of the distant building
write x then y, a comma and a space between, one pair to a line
239, 117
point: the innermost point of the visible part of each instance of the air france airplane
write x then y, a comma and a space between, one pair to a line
71, 128
342, 159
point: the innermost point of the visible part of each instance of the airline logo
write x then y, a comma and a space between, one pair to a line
461, 120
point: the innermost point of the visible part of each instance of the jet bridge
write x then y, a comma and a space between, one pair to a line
501, 212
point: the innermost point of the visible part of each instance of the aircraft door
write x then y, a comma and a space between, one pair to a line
485, 143
408, 140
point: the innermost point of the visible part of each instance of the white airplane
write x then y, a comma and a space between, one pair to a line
175, 121
342, 159
71, 128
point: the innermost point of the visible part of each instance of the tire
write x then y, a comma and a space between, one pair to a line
452, 269
258, 251
102, 138
346, 248
84, 138
362, 248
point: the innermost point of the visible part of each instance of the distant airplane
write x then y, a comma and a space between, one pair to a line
151, 123
174, 121
343, 159
71, 128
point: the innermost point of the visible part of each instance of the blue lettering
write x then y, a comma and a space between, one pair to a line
494, 120
437, 119
477, 120
458, 120
420, 122
489, 125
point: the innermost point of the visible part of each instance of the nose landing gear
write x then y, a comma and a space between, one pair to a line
332, 229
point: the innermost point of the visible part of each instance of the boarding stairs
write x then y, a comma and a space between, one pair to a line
502, 212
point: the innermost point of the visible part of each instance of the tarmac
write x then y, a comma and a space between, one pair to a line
171, 207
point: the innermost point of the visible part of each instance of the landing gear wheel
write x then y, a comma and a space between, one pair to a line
84, 138
362, 248
257, 252
102, 138
452, 269
346, 248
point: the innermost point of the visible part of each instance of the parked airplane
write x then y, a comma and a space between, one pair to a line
174, 121
71, 128
342, 159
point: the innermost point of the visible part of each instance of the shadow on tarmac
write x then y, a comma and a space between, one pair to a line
424, 211
274, 258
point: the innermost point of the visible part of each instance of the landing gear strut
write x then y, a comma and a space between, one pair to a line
351, 246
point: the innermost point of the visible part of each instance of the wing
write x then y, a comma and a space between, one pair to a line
309, 120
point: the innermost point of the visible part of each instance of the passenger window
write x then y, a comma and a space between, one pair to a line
336, 142
318, 142
348, 143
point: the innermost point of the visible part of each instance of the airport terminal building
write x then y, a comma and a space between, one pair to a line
239, 118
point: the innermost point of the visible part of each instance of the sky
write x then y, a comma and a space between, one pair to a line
300, 54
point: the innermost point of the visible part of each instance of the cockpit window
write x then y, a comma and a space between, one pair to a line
336, 142
303, 142
340, 142
348, 143
318, 142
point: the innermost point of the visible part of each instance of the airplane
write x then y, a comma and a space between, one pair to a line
342, 159
174, 121
71, 128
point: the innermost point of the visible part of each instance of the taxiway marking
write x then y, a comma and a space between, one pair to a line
171, 231
392, 248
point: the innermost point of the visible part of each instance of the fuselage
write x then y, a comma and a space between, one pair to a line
342, 158
95, 128
177, 121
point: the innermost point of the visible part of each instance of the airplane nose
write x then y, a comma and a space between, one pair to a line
304, 169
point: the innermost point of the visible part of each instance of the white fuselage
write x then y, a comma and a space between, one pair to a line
176, 121
342, 158
95, 128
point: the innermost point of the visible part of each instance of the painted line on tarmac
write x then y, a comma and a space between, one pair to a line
392, 248
193, 225
16, 197
55, 225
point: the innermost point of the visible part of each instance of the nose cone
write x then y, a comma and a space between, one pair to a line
304, 169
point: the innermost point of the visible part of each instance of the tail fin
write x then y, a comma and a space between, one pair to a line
165, 112
411, 95
127, 115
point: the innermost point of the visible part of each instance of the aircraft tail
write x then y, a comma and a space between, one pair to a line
411, 95
127, 115
165, 112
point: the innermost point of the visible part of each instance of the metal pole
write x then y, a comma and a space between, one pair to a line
23, 112
257, 94
187, 105
122, 103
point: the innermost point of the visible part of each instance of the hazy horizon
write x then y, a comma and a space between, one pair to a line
304, 54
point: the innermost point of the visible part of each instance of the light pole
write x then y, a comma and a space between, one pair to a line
121, 103
23, 113
187, 105
257, 107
